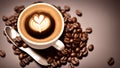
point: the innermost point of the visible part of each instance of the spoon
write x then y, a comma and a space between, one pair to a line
12, 33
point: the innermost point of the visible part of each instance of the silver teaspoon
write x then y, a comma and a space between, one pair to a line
11, 34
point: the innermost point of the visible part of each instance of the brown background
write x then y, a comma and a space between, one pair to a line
102, 15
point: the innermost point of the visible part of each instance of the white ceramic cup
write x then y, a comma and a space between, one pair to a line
42, 45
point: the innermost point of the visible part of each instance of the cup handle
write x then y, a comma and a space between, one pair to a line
59, 45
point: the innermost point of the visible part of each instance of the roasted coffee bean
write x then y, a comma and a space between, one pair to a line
74, 19
67, 8
71, 40
69, 35
84, 36
78, 13
67, 15
66, 40
63, 60
69, 59
79, 55
49, 60
79, 30
111, 61
17, 51
76, 41
91, 47
8, 23
88, 30
2, 53
76, 25
25, 60
11, 18
58, 62
63, 12
4, 18
84, 49
21, 56
68, 45
70, 20
29, 58
77, 49
24, 45
69, 50
14, 21
54, 64
14, 47
73, 54
64, 52
76, 35
85, 53
56, 57
18, 39
59, 8
70, 66
22, 64
75, 61
82, 44
19, 9
38, 2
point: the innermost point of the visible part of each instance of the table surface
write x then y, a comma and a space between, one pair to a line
102, 15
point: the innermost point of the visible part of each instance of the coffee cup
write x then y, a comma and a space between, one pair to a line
40, 25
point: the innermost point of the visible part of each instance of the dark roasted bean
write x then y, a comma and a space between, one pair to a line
24, 45
73, 54
91, 47
111, 61
70, 66
21, 56
2, 53
4, 18
75, 61
74, 19
78, 13
88, 30
67, 8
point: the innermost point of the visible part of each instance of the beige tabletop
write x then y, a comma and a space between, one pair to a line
102, 15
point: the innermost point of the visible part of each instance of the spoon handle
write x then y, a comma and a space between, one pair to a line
11, 34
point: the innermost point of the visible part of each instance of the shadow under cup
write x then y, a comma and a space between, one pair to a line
41, 8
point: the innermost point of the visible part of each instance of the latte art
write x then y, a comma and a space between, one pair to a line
39, 23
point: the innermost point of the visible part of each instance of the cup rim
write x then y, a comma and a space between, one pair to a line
41, 43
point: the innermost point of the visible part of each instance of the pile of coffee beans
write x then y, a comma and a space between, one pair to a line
74, 38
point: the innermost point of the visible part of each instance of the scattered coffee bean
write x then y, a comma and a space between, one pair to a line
74, 19
77, 49
67, 8
4, 18
19, 9
21, 56
70, 66
73, 54
14, 47
89, 30
2, 53
24, 45
79, 55
111, 61
22, 64
91, 47
75, 61
17, 51
78, 13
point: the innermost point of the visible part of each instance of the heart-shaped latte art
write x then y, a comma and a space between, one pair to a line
39, 22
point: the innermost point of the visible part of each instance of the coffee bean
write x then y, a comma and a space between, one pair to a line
85, 53
79, 30
54, 64
22, 64
2, 53
91, 47
75, 61
14, 47
24, 45
84, 36
68, 35
82, 44
49, 60
18, 39
64, 52
79, 55
29, 58
19, 9
76, 41
58, 62
67, 8
8, 23
88, 30
111, 61
69, 59
56, 57
67, 15
21, 56
63, 60
17, 51
11, 18
84, 49
63, 12
70, 66
78, 13
66, 40
73, 54
4, 18
71, 40
77, 49
74, 19
59, 8
76, 35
